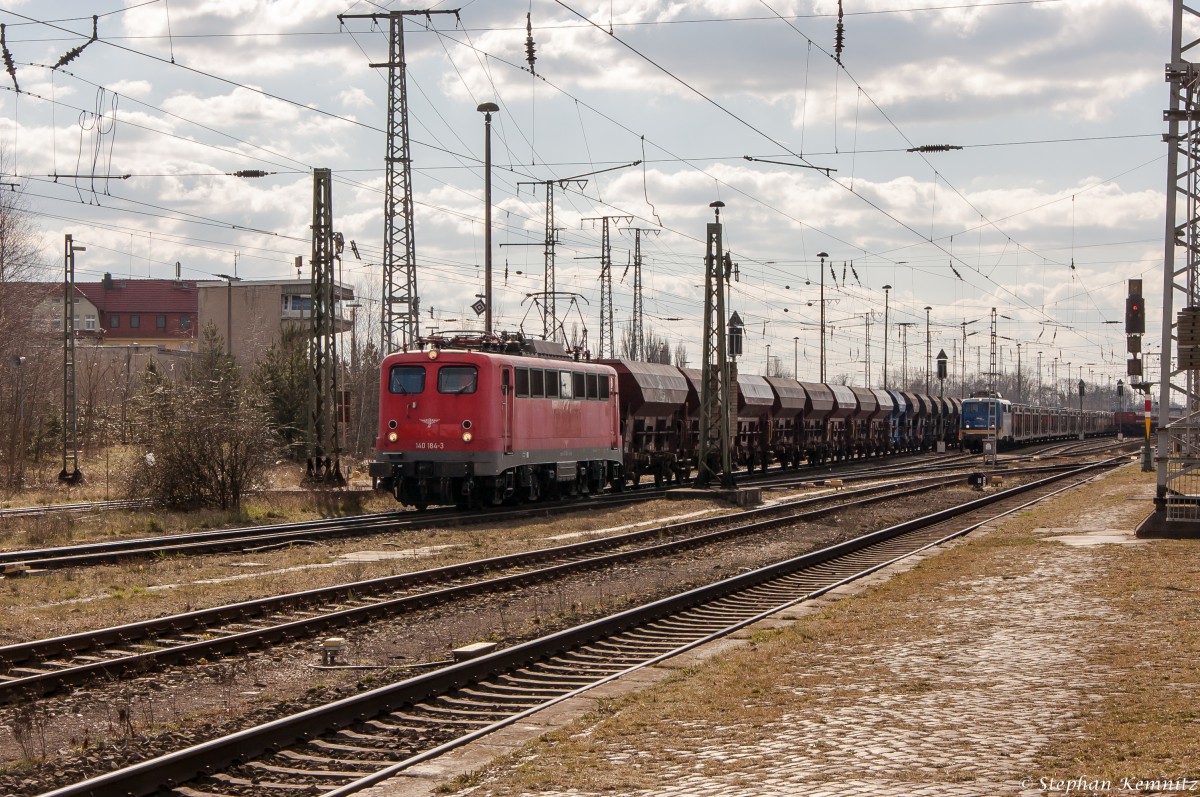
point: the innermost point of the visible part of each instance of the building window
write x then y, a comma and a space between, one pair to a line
114, 322
160, 322
185, 322
135, 321
89, 322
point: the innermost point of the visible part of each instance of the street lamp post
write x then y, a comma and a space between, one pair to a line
886, 341
928, 349
822, 255
487, 109
796, 358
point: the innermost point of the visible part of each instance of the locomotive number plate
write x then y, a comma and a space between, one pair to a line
430, 445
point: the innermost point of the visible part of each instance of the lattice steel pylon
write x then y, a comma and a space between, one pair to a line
713, 458
1178, 461
324, 458
401, 302
993, 374
70, 472
606, 300
638, 323
606, 349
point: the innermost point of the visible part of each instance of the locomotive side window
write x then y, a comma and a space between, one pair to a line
564, 384
457, 379
580, 391
537, 382
407, 379
603, 380
551, 384
593, 388
523, 383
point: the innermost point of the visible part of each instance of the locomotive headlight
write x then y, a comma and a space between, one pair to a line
393, 437
466, 437
433, 354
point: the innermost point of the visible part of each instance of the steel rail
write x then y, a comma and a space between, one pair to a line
218, 540
167, 771
83, 506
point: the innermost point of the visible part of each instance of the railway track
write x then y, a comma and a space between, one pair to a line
35, 668
340, 748
84, 506
257, 537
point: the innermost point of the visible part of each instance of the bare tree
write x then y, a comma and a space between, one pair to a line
680, 358
209, 435
20, 339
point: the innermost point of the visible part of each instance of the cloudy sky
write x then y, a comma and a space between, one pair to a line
1053, 202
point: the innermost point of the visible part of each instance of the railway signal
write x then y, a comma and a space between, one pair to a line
1135, 314
1135, 327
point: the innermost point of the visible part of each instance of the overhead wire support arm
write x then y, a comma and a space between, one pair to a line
828, 171
550, 310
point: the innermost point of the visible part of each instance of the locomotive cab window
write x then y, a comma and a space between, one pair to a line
537, 383
406, 379
522, 383
603, 381
456, 379
579, 381
593, 386
564, 385
552, 384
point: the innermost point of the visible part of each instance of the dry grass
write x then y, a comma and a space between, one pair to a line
1147, 726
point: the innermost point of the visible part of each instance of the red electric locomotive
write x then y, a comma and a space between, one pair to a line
479, 427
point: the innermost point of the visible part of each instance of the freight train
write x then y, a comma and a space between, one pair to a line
477, 422
987, 416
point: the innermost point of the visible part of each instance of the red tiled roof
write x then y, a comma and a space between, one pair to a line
142, 296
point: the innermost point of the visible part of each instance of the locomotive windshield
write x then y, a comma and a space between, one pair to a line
981, 414
457, 379
407, 379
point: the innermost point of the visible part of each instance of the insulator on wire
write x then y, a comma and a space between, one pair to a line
74, 52
8, 61
529, 48
839, 37
952, 268
855, 273
843, 275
